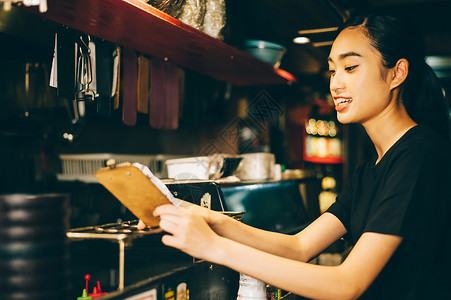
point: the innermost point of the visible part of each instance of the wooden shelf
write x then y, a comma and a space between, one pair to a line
137, 25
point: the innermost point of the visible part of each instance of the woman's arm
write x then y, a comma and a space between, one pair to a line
191, 234
346, 281
302, 246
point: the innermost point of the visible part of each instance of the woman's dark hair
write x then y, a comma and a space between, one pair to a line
421, 93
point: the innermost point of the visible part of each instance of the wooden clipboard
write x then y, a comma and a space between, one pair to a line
139, 193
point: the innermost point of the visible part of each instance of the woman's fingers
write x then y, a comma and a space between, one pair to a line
166, 209
169, 224
141, 225
169, 240
187, 229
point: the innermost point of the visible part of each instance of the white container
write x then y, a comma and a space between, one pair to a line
251, 288
199, 167
256, 166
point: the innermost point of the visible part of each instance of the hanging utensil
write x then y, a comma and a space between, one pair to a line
65, 61
172, 95
104, 65
157, 94
165, 94
116, 77
129, 107
143, 84
84, 75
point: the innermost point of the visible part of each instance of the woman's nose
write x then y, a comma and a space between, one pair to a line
336, 82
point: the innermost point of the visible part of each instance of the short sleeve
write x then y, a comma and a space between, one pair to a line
342, 206
390, 206
411, 187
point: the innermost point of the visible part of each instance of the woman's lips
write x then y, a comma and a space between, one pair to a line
342, 103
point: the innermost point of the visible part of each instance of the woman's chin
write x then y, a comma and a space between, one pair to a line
343, 119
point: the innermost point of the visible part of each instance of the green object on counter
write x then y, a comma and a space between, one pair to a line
84, 296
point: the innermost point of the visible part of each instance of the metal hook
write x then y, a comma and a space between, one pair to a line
86, 46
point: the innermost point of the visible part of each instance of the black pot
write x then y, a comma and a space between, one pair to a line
53, 292
29, 267
38, 234
30, 250
34, 217
36, 201
34, 282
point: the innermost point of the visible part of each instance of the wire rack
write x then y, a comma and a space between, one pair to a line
82, 167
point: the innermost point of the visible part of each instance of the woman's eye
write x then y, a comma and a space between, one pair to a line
350, 68
331, 72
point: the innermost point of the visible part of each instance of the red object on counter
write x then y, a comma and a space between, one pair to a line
87, 277
96, 291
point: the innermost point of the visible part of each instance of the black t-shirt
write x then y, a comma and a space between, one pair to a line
408, 194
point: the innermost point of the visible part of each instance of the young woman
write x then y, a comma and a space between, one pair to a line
396, 209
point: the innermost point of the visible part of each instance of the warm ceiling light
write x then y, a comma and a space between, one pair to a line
318, 30
301, 40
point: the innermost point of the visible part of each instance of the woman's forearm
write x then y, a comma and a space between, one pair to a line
302, 246
267, 241
311, 281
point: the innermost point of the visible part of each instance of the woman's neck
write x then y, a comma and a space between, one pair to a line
386, 131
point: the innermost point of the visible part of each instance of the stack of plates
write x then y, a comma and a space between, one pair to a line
33, 246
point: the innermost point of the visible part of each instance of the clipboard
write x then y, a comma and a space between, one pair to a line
138, 189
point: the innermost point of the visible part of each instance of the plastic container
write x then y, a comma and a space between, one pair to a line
268, 52
199, 167
251, 288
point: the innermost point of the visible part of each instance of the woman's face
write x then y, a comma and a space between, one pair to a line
359, 83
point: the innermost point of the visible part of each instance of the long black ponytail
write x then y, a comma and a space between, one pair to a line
421, 93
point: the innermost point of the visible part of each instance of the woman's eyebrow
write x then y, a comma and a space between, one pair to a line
344, 55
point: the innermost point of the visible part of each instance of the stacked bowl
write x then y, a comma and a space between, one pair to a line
33, 246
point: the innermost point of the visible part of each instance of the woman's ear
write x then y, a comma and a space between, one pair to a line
400, 72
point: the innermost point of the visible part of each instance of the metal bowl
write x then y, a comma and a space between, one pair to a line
268, 52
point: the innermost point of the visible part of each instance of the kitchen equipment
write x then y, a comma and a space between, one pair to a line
164, 94
85, 74
130, 83
171, 7
256, 166
230, 165
33, 246
143, 84
157, 108
172, 95
65, 63
104, 71
81, 167
116, 77
275, 206
133, 254
199, 167
268, 52
203, 193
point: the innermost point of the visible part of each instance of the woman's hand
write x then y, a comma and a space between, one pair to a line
213, 218
188, 230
